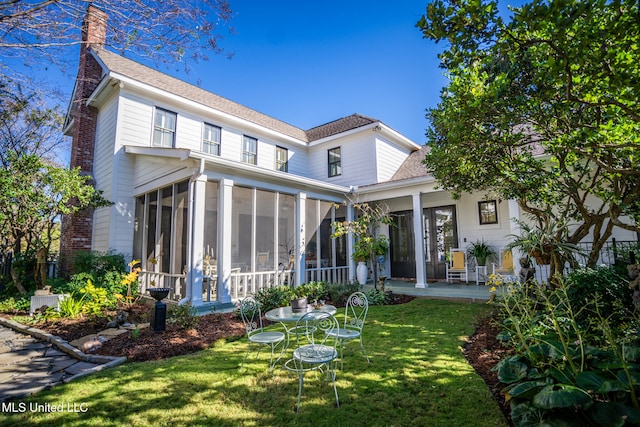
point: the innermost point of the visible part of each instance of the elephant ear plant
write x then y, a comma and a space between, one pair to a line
565, 371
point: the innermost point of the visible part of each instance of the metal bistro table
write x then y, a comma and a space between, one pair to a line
285, 315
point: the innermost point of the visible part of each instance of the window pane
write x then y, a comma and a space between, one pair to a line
249, 150
164, 128
180, 215
138, 230
265, 230
152, 212
211, 224
335, 167
211, 139
286, 230
166, 223
242, 226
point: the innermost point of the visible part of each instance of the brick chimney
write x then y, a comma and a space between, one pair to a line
77, 229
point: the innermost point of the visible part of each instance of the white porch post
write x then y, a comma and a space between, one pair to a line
196, 240
418, 233
350, 244
300, 264
225, 218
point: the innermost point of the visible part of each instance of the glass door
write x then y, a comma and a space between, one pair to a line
440, 234
402, 249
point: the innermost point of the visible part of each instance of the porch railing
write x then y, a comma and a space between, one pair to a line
328, 274
176, 282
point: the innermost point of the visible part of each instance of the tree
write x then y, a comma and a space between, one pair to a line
542, 109
27, 124
34, 191
365, 228
165, 30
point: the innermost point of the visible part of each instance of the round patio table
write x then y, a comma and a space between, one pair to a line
285, 314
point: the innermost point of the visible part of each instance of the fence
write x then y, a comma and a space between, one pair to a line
53, 263
613, 252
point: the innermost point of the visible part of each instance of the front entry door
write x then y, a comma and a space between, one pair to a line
402, 250
440, 234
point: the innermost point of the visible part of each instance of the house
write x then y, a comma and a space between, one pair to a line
218, 200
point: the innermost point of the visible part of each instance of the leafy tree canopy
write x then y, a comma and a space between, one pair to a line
542, 108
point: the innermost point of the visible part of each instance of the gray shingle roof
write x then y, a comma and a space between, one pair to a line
147, 75
338, 126
412, 167
143, 74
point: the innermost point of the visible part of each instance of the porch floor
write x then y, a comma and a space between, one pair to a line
457, 290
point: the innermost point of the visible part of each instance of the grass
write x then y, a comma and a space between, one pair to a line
418, 376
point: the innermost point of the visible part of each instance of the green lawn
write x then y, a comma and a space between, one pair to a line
418, 376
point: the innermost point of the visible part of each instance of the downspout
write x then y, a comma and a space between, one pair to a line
192, 213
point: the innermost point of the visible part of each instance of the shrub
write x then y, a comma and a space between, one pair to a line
376, 297
12, 305
98, 263
338, 293
603, 286
184, 316
270, 298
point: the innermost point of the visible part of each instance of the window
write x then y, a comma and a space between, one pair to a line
249, 150
164, 128
282, 159
335, 163
488, 212
211, 139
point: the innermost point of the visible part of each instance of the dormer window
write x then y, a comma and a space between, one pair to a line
211, 139
335, 162
164, 128
249, 150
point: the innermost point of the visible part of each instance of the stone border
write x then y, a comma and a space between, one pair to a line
103, 362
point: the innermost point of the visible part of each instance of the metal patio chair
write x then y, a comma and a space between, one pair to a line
316, 349
252, 319
355, 313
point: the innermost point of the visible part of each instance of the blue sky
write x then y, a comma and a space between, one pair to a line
308, 63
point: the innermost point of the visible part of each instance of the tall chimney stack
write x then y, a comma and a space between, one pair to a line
77, 229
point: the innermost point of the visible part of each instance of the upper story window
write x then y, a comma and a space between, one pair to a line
211, 139
282, 159
335, 162
164, 128
249, 150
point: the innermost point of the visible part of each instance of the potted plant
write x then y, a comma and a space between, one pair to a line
366, 249
481, 251
298, 299
542, 243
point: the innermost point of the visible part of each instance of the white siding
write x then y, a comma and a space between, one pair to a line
136, 121
389, 157
358, 160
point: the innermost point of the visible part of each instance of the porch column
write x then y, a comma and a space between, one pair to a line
350, 243
196, 240
418, 237
300, 264
225, 218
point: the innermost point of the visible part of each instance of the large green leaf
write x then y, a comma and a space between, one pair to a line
526, 389
598, 383
561, 396
614, 414
511, 370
